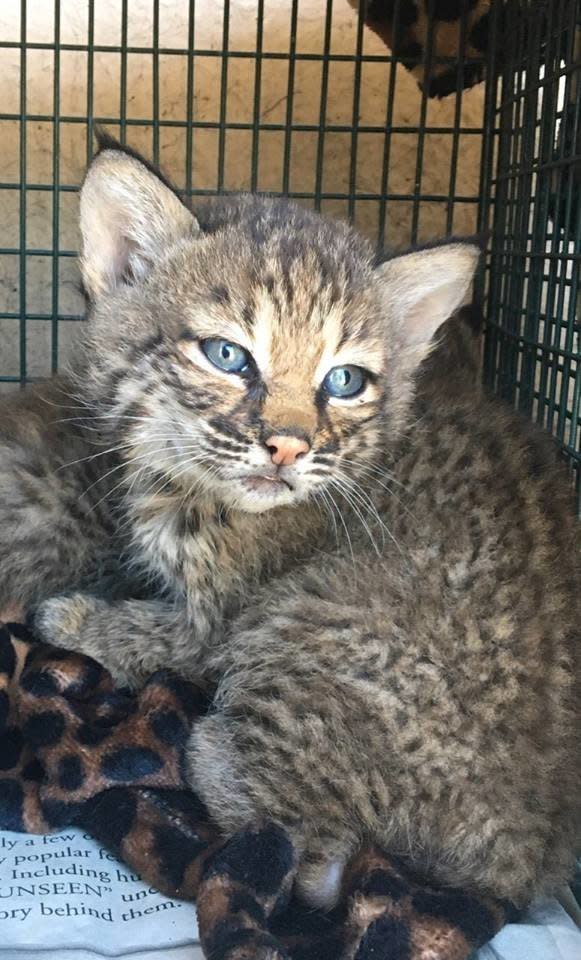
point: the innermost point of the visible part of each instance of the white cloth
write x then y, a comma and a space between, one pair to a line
547, 933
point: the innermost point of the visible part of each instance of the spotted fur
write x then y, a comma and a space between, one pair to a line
402, 670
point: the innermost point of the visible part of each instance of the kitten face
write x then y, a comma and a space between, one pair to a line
314, 369
256, 359
215, 370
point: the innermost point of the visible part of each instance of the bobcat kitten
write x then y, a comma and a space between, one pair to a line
381, 585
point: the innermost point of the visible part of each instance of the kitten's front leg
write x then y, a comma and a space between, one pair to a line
131, 638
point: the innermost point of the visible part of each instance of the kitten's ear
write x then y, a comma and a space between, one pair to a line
129, 218
422, 289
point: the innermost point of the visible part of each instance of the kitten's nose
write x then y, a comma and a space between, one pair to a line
286, 450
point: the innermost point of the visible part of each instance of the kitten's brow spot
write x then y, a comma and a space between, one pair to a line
219, 294
188, 335
247, 316
288, 287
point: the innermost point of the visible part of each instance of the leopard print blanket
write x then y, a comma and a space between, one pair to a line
76, 751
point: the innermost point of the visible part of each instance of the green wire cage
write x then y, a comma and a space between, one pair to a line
300, 97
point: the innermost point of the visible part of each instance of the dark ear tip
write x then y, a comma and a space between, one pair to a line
472, 316
105, 141
481, 240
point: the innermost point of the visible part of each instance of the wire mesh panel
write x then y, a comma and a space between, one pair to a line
289, 96
533, 207
298, 97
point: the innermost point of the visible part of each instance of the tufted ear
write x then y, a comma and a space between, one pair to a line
422, 289
129, 217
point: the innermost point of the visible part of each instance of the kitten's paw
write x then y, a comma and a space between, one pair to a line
60, 621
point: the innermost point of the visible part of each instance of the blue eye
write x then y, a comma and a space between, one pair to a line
226, 356
344, 381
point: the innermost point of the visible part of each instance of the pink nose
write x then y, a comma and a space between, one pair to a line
284, 451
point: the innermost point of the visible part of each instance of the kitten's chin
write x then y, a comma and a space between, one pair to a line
257, 494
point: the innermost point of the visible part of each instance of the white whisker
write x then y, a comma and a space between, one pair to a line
364, 499
382, 472
127, 464
348, 495
329, 508
345, 527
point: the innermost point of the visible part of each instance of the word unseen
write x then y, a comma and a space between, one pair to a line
63, 891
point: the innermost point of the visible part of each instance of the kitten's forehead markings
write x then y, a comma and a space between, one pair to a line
369, 355
332, 331
265, 318
211, 320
